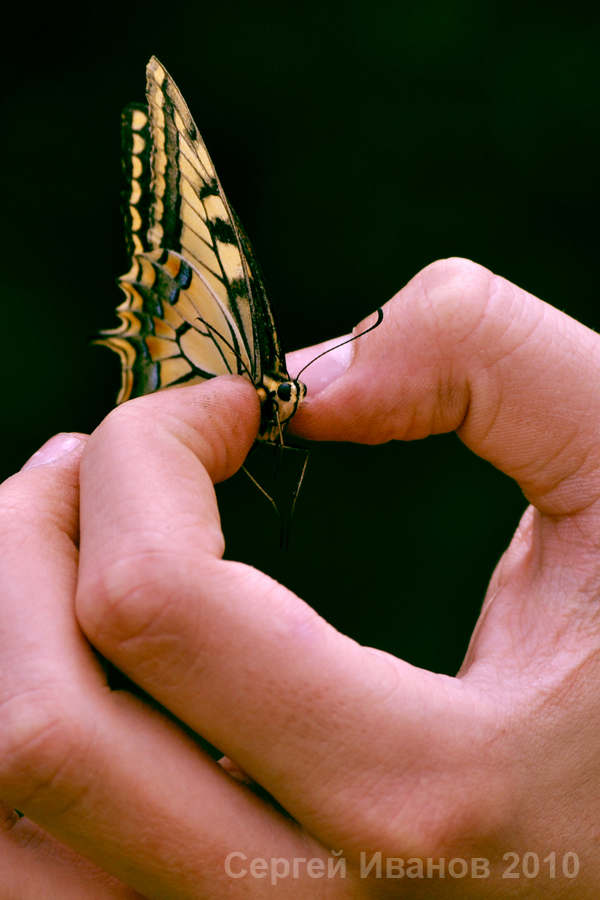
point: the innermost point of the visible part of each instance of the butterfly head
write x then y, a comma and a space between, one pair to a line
279, 401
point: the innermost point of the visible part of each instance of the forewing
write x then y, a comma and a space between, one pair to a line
190, 213
195, 300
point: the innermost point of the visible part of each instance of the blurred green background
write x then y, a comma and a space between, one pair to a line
358, 142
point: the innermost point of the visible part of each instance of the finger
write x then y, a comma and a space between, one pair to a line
463, 349
34, 864
100, 771
217, 421
298, 706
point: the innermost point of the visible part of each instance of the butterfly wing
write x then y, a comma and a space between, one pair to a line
174, 203
195, 304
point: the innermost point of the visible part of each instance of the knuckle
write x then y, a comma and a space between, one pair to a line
40, 739
457, 293
448, 819
131, 601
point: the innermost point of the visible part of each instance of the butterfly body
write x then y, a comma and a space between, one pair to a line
195, 304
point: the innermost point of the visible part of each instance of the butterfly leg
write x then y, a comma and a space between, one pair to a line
283, 480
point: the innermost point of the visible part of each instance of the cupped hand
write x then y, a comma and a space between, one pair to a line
367, 754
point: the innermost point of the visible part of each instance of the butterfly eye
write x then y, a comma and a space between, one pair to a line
284, 391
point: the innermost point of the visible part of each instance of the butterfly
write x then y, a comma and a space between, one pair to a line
196, 305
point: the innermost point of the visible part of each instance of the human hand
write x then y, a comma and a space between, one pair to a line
463, 350
367, 753
100, 771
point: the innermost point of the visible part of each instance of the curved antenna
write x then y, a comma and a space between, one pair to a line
225, 341
349, 341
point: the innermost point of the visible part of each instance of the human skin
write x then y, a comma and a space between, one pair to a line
366, 752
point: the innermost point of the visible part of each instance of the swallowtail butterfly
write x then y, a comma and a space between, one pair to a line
195, 303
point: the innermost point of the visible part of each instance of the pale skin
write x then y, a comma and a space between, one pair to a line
366, 752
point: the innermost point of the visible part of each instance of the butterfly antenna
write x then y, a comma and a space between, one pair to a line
226, 342
349, 341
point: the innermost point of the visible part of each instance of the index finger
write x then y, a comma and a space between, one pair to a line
99, 770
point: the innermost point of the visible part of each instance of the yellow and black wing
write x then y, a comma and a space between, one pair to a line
195, 304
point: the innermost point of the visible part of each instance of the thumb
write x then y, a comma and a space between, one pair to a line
463, 349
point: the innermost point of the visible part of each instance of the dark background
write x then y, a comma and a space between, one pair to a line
358, 143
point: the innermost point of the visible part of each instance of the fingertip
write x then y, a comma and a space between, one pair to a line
237, 396
217, 419
55, 448
321, 373
335, 376
233, 404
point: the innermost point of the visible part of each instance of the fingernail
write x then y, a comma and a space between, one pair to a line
57, 446
326, 370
